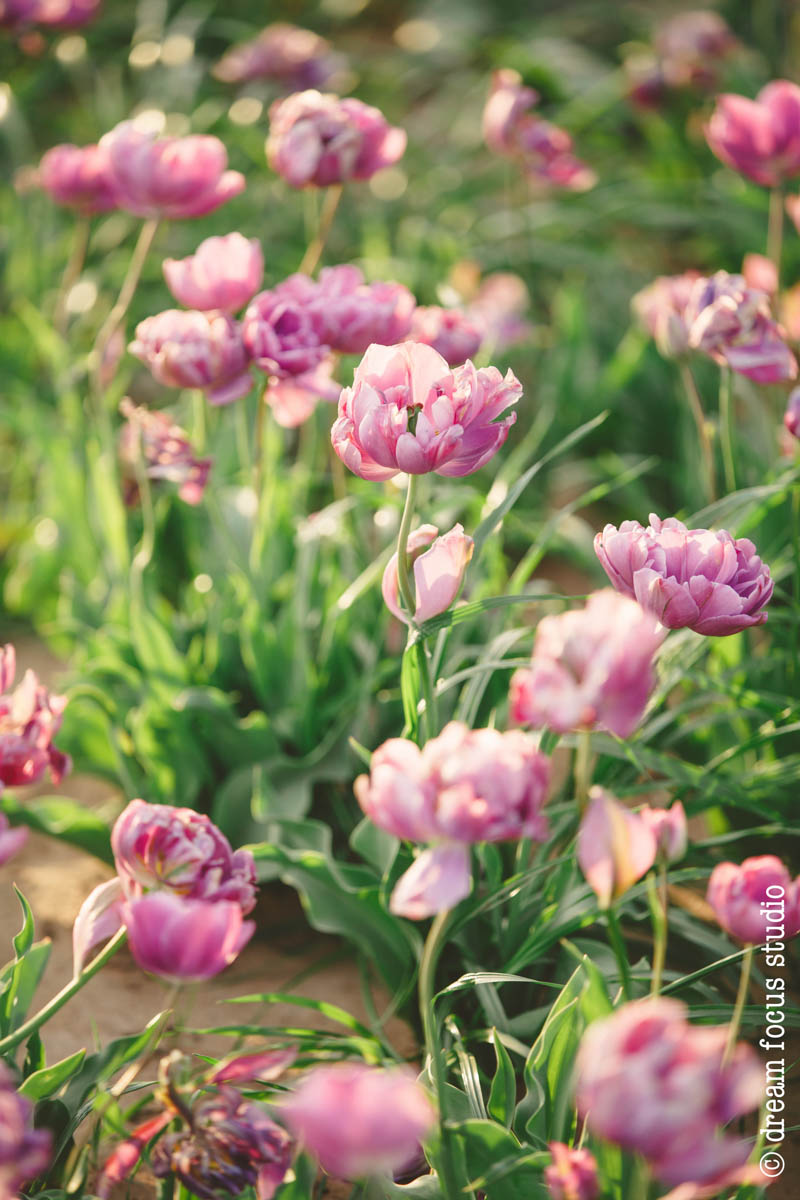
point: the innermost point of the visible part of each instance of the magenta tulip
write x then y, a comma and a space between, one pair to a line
184, 941
25, 1152
759, 138
438, 571
355, 313
224, 272
195, 350
750, 898
30, 717
11, 840
733, 324
791, 418
283, 329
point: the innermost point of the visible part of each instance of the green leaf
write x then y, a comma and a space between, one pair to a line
484, 1145
24, 939
331, 1011
411, 686
62, 818
45, 1082
23, 979
503, 1092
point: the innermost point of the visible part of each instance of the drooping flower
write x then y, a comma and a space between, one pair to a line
357, 1120
30, 717
750, 897
224, 272
317, 139
572, 1175
24, 1151
670, 830
284, 53
11, 840
152, 442
183, 940
733, 324
592, 668
455, 333
195, 350
463, 786
759, 138
438, 571
658, 1086
79, 177
615, 846
702, 579
407, 411
283, 329
174, 177
661, 309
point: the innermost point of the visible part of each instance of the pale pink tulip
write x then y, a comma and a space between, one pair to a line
750, 897
224, 272
438, 571
11, 840
151, 442
455, 333
615, 846
79, 177
572, 1175
670, 830
195, 350
293, 57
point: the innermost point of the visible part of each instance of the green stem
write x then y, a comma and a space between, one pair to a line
583, 768
72, 273
640, 1183
741, 997
618, 946
703, 432
726, 430
403, 573
775, 230
657, 896
127, 291
794, 663
72, 988
314, 252
427, 975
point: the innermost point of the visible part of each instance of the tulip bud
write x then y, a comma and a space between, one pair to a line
438, 572
615, 846
669, 829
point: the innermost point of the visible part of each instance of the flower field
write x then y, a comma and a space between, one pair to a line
399, 600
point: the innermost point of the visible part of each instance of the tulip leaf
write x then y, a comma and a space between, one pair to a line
46, 1081
62, 818
485, 1145
503, 1092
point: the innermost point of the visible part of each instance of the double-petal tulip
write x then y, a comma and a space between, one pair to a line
153, 443
224, 273
317, 139
591, 668
284, 53
661, 309
733, 324
79, 177
408, 411
356, 313
195, 350
359, 1121
759, 138
749, 897
174, 177
438, 571
455, 333
30, 717
702, 579
283, 329
615, 846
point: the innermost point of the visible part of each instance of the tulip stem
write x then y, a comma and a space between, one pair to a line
657, 896
427, 976
703, 433
403, 573
314, 252
741, 997
583, 768
618, 946
127, 291
72, 273
60, 999
775, 230
725, 389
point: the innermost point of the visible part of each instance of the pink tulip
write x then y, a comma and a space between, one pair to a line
791, 418
195, 350
690, 47
357, 1120
407, 411
508, 101
438, 879
591, 668
184, 941
99, 918
658, 1086
355, 314
645, 84
615, 846
455, 333
760, 273
79, 177
317, 139
283, 329
670, 830
169, 177
25, 1152
702, 579
759, 138
30, 717
438, 572
67, 14
18, 13
264, 1066
224, 272
11, 840
293, 57
152, 443
661, 309
733, 324
572, 1175
497, 308
750, 898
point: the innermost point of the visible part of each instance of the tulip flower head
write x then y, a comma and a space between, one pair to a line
572, 1175
79, 177
356, 313
283, 53
317, 139
751, 897
195, 350
283, 329
733, 324
690, 47
408, 411
759, 138
357, 1120
670, 830
224, 272
658, 1086
30, 717
151, 442
700, 579
661, 309
439, 565
455, 333
182, 940
25, 1152
615, 846
592, 668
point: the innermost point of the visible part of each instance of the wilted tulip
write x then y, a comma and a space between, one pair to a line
733, 324
572, 1175
438, 571
749, 897
181, 940
661, 309
355, 313
615, 846
591, 668
151, 442
224, 272
455, 333
79, 177
169, 177
407, 411
11, 840
702, 579
293, 57
357, 1120
670, 830
658, 1086
195, 350
759, 138
30, 717
283, 329
317, 139
25, 1152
